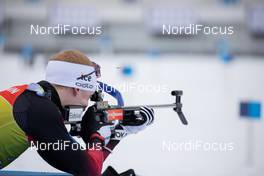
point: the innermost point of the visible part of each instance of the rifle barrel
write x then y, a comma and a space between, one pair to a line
150, 106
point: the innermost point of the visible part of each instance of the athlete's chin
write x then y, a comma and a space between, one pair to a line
84, 103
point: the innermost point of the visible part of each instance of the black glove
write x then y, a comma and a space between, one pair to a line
110, 171
93, 126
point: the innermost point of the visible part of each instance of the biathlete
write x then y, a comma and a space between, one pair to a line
35, 113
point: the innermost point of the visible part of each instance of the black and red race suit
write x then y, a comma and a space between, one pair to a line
41, 119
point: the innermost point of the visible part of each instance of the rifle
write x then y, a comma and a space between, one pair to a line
116, 113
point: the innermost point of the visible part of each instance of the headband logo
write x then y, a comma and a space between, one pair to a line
86, 85
86, 77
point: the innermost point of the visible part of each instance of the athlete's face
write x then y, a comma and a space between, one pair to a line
83, 96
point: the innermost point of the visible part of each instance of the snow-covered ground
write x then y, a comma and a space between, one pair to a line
216, 142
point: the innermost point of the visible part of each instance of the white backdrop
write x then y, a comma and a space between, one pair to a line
212, 91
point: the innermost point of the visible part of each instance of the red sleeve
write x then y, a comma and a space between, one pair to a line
111, 145
96, 157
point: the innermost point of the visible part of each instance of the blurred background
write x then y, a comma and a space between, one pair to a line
221, 76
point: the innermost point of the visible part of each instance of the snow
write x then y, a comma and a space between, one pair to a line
212, 91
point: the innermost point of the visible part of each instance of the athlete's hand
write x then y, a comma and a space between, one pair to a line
92, 127
134, 123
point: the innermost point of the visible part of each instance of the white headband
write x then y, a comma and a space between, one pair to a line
71, 75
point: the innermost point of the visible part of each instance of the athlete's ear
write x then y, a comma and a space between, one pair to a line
75, 91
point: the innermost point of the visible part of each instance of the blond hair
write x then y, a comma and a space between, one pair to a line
73, 56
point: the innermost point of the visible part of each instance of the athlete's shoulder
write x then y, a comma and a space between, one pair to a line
33, 112
31, 102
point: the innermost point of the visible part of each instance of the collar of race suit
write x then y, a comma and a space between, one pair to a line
54, 96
